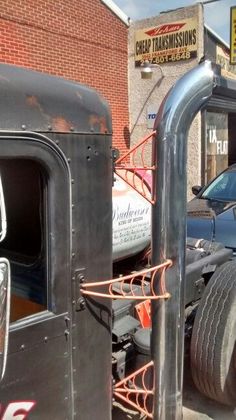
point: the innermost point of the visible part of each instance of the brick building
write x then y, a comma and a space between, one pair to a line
81, 40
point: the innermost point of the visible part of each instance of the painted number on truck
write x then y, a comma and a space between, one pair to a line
18, 410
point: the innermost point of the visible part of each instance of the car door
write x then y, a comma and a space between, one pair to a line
36, 185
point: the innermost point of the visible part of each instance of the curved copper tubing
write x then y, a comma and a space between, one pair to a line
132, 185
132, 404
131, 151
133, 375
131, 168
125, 391
122, 165
131, 278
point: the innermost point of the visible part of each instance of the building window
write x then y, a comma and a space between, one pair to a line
216, 144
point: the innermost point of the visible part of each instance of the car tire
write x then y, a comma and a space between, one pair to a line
213, 348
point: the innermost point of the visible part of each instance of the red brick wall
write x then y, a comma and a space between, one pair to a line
78, 39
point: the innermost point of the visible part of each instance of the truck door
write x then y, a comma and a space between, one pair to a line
36, 185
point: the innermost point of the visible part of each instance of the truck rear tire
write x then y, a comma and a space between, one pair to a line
213, 342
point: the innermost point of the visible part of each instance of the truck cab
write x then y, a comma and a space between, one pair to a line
56, 171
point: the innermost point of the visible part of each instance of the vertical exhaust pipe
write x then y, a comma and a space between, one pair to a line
172, 124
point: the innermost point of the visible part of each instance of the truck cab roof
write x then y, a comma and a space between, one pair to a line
35, 101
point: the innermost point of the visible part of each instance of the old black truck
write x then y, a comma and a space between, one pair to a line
68, 312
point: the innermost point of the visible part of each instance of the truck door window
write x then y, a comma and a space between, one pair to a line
24, 245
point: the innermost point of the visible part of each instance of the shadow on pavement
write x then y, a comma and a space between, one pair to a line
202, 406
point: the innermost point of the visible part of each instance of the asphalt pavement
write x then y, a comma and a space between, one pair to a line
195, 405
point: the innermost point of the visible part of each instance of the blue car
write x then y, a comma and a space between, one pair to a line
211, 214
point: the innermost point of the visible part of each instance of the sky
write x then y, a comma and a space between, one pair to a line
217, 14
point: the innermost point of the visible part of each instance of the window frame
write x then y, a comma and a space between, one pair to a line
50, 158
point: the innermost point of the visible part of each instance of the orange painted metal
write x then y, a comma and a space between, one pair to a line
136, 389
134, 169
136, 286
143, 311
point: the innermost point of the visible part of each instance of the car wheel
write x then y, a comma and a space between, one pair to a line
213, 348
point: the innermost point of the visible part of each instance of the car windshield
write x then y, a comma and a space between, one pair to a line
222, 188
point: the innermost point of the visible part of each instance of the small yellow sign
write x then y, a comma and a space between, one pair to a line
233, 35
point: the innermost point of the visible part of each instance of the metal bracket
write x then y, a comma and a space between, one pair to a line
78, 299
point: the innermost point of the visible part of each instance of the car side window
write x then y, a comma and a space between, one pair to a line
223, 187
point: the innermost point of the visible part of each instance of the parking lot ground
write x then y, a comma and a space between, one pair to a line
195, 405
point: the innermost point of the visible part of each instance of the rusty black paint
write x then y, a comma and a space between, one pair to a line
39, 102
